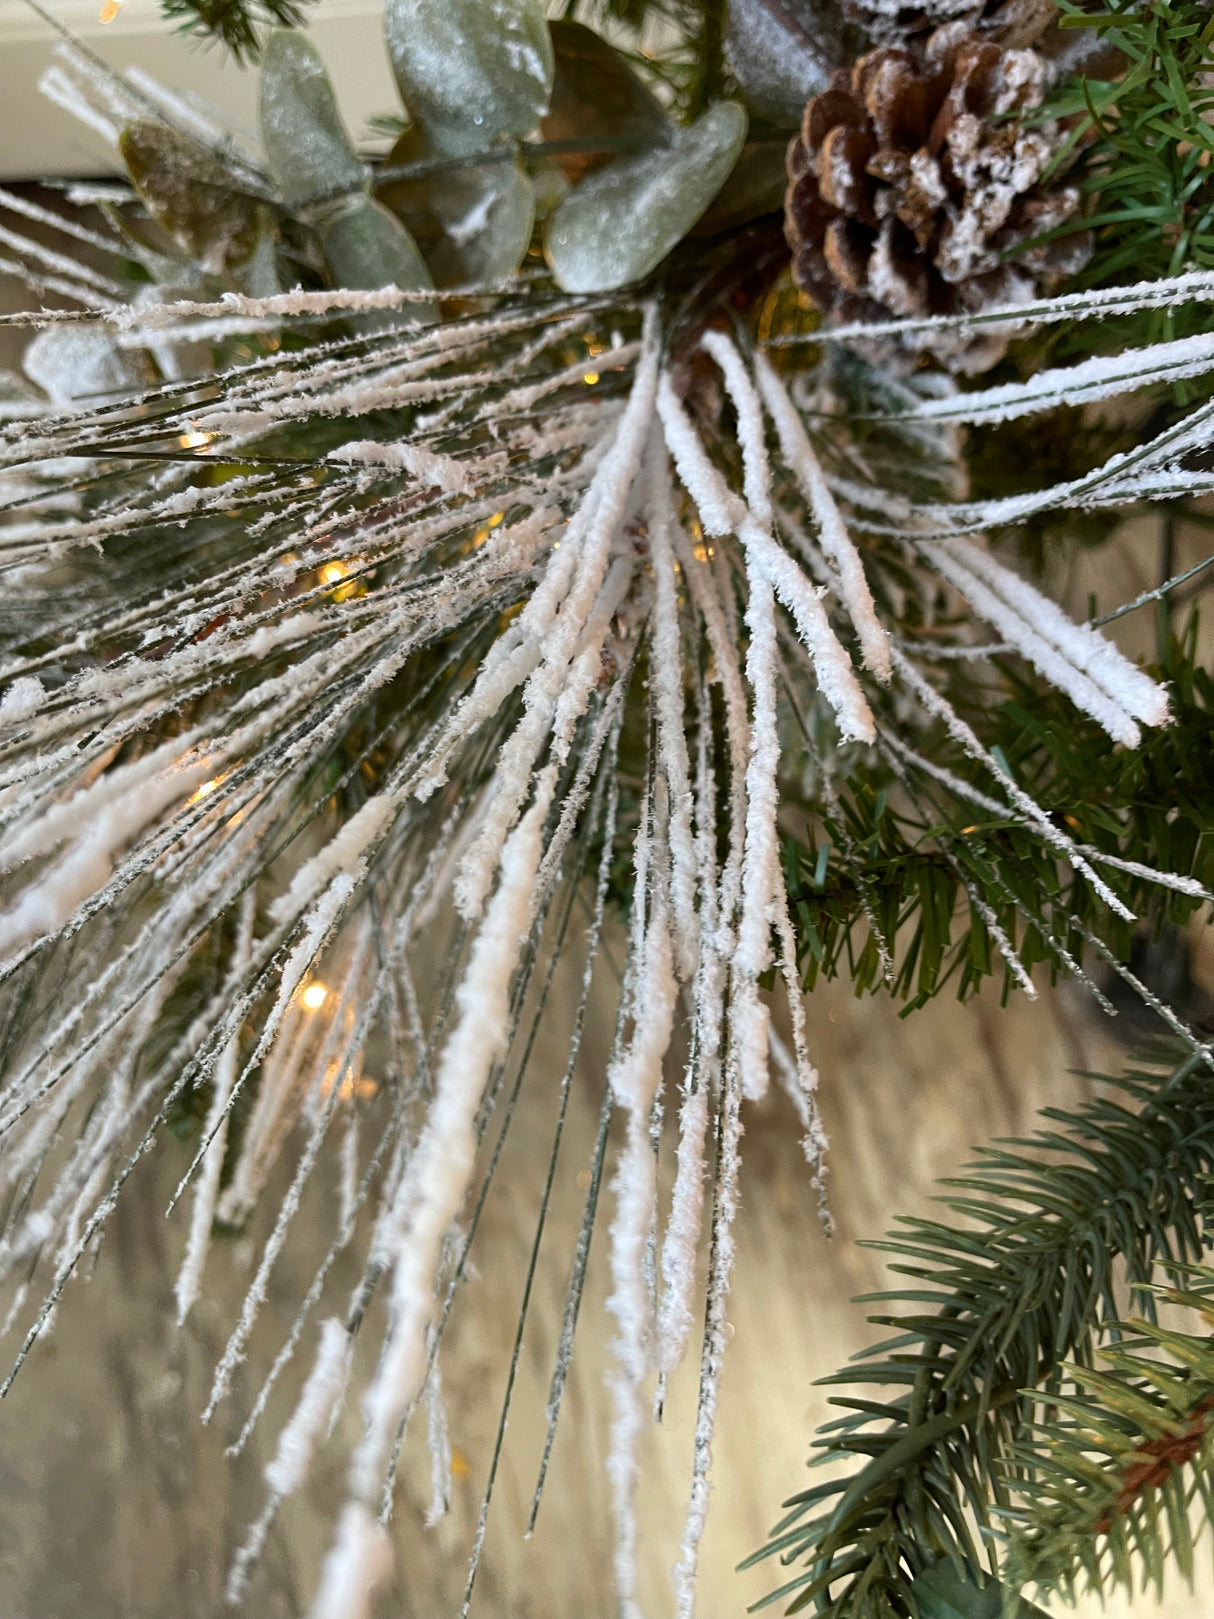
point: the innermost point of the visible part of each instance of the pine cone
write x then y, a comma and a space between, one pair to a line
897, 22
909, 183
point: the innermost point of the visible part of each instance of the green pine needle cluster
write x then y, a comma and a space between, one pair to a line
238, 25
1016, 1287
905, 861
1122, 1463
1146, 140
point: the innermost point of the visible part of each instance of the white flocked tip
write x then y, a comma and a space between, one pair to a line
357, 1564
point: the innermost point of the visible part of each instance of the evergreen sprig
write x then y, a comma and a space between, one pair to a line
1146, 140
1118, 1466
924, 865
997, 1305
236, 24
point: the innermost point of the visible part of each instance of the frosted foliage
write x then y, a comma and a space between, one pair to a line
366, 246
621, 222
23, 698
79, 362
777, 61
324, 684
306, 145
471, 71
314, 1413
487, 212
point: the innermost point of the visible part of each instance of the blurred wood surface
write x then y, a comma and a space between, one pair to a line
115, 1503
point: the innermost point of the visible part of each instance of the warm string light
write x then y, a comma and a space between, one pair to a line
354, 1088
207, 788
486, 528
338, 577
314, 997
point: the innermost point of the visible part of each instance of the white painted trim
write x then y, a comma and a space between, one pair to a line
40, 141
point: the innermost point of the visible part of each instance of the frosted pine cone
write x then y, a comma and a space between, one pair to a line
912, 181
894, 22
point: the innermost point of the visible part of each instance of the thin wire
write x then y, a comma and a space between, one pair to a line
596, 928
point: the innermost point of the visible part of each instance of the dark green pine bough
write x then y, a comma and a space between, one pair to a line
994, 1431
925, 865
237, 24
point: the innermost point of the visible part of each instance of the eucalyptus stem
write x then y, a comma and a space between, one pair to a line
424, 167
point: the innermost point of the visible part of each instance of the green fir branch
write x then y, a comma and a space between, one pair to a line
997, 1305
1145, 145
238, 25
904, 851
1108, 1484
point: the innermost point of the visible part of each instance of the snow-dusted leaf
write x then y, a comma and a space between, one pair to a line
307, 149
471, 71
191, 194
755, 186
472, 223
367, 247
80, 362
487, 213
619, 224
781, 53
260, 274
17, 398
596, 97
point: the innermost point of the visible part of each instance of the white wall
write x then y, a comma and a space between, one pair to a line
40, 141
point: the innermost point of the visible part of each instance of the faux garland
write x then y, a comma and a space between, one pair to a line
642, 488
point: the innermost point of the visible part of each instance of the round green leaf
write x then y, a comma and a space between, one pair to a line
191, 194
597, 98
307, 149
781, 52
366, 248
621, 222
80, 362
471, 71
486, 213
473, 222
756, 186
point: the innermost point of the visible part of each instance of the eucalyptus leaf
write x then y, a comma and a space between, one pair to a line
782, 52
621, 222
176, 361
366, 248
260, 277
306, 146
756, 186
471, 71
191, 194
596, 98
80, 362
488, 213
17, 398
944, 1592
472, 222
147, 242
